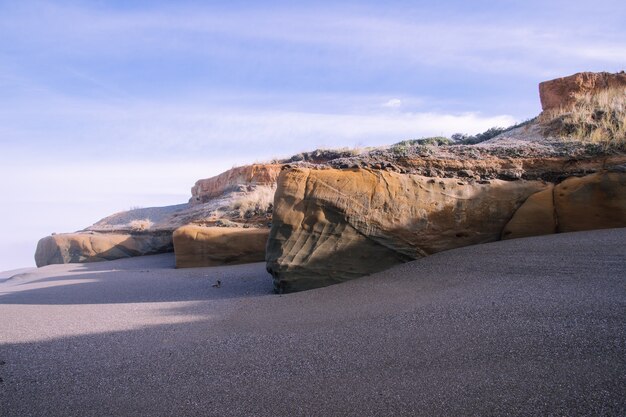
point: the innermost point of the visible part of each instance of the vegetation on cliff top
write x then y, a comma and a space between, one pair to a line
598, 118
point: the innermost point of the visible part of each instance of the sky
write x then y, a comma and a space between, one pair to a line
107, 105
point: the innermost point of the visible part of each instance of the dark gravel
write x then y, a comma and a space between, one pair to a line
524, 327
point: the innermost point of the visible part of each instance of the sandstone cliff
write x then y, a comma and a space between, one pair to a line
250, 175
596, 201
563, 92
344, 213
335, 225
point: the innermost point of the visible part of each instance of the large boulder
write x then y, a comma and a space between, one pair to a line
334, 225
92, 247
596, 201
198, 246
535, 217
563, 92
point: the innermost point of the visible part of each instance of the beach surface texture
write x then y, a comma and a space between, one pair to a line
533, 326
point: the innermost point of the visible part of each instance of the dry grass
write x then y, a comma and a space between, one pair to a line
595, 118
255, 202
140, 225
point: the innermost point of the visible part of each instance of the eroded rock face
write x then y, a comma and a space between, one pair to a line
563, 92
257, 174
596, 201
535, 217
198, 246
334, 225
93, 247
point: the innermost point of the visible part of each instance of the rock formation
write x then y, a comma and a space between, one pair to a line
335, 225
563, 92
596, 201
93, 247
197, 246
240, 197
250, 175
332, 225
340, 214
535, 217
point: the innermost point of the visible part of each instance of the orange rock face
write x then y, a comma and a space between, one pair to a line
333, 225
563, 92
256, 174
596, 201
197, 246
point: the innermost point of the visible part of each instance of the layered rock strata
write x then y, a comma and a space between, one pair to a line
197, 246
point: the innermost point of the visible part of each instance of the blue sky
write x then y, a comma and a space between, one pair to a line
107, 105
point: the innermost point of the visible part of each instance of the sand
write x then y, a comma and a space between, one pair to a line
531, 326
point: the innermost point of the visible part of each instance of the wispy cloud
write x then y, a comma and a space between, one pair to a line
498, 45
148, 130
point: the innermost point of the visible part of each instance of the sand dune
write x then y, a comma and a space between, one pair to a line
523, 327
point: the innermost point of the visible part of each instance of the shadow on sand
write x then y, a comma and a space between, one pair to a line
527, 327
134, 280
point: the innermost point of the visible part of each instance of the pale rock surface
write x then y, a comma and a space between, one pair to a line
93, 247
142, 231
255, 174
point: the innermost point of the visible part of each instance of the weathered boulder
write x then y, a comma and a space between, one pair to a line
596, 201
198, 246
256, 174
92, 247
535, 217
563, 92
334, 225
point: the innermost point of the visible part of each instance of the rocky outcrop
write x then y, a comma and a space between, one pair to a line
334, 225
563, 92
535, 217
197, 246
393, 203
240, 201
596, 201
256, 174
93, 247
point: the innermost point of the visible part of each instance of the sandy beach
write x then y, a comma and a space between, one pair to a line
531, 326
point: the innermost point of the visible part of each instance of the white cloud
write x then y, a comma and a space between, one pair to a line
143, 131
393, 103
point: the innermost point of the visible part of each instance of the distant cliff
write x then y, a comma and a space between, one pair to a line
248, 175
